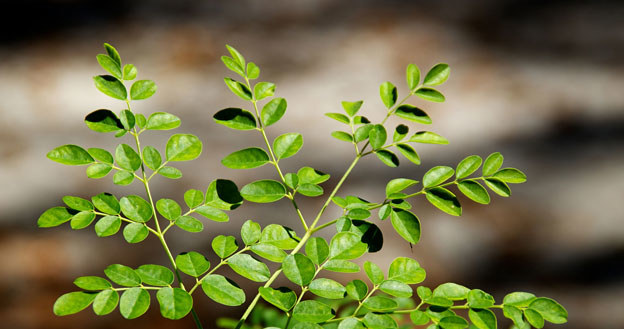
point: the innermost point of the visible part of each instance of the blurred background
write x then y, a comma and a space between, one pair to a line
540, 81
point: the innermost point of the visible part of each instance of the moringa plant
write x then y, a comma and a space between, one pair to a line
312, 300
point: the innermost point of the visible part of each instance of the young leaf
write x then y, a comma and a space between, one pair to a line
406, 270
249, 267
105, 302
133, 303
248, 158
236, 55
430, 94
327, 288
468, 166
475, 191
122, 275
238, 89
183, 147
510, 175
233, 65
338, 117
129, 72
282, 298
291, 180
110, 86
312, 311
412, 76
343, 136
103, 121
428, 137
73, 302
152, 157
263, 191
142, 89
351, 108
192, 263
407, 225
175, 303
223, 290
253, 71
127, 158
437, 75
112, 52
412, 113
498, 186
189, 224
72, 155
263, 90
437, 175
136, 208
155, 275
135, 232
235, 118
224, 246
273, 111
492, 163
388, 93
444, 200
310, 190
287, 145
162, 121
399, 184
317, 250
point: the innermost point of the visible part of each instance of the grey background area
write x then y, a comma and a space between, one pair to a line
540, 81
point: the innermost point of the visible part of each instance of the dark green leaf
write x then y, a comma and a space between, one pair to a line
373, 272
73, 302
250, 232
468, 166
437, 75
129, 72
299, 269
103, 121
238, 89
482, 318
388, 158
142, 89
263, 191
406, 270
169, 208
444, 200
493, 162
252, 157
475, 191
92, 283
135, 232
189, 224
400, 132
110, 86
342, 266
122, 275
412, 76
407, 225
287, 145
54, 217
105, 302
82, 220
409, 153
550, 310
428, 137
338, 117
412, 113
224, 246
183, 147
235, 118
223, 290
282, 298
112, 52
162, 121
192, 263
317, 250
388, 93
396, 288
327, 288
107, 226
510, 175
72, 155
498, 186
133, 303
136, 208
379, 321
430, 94
175, 303
106, 203
351, 108
380, 304
312, 311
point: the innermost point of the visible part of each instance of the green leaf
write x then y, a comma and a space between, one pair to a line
351, 108
92, 283
183, 147
99, 170
223, 290
248, 158
175, 303
170, 172
357, 289
107, 226
273, 111
106, 203
312, 176
235, 118
388, 158
169, 208
122, 275
142, 89
437, 175
398, 185
351, 323
110, 86
250, 232
141, 121
492, 163
72, 155
362, 133
479, 299
287, 145
451, 291
468, 166
310, 190
407, 225
338, 117
437, 75
510, 175
358, 213
129, 72
453, 322
299, 269
101, 155
419, 318
54, 217
475, 191
341, 135
110, 65
550, 310
412, 113
263, 90
192, 263
189, 224
380, 304
346, 245
135, 232
123, 178
155, 275
112, 52
249, 267
238, 89
282, 298
291, 180
103, 121
412, 76
519, 299
263, 191
444, 200
515, 314
253, 71
327, 288
384, 211
373, 272
223, 194
136, 208
233, 65
73, 302
269, 251
377, 136
82, 220
127, 119
317, 250
279, 236
312, 311
498, 186
162, 121
396, 288
430, 94
406, 270
482, 318
127, 158
388, 93
427, 137
133, 303
236, 55
105, 302
194, 198
224, 246
424, 293
409, 153
400, 132
379, 321
534, 318
152, 157
341, 266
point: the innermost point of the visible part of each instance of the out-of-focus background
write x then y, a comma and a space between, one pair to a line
540, 81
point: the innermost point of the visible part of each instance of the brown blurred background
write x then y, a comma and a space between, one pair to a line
540, 81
